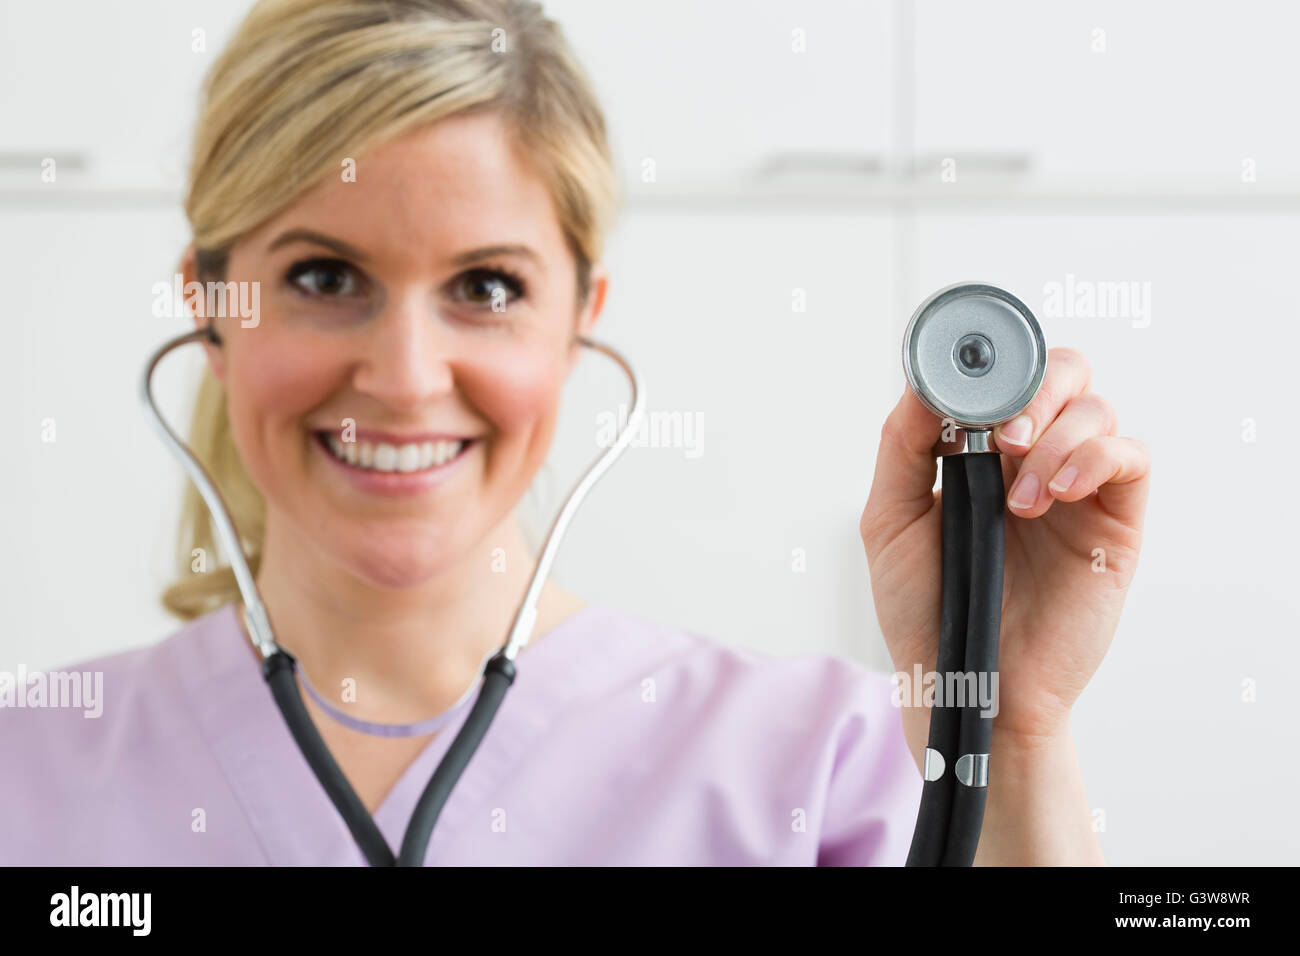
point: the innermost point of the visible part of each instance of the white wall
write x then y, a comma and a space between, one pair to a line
1111, 156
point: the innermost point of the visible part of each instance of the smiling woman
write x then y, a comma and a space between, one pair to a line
455, 94
375, 334
420, 191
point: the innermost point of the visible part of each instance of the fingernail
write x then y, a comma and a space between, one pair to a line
1018, 431
1064, 479
1025, 493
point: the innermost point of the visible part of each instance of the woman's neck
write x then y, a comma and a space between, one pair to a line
406, 653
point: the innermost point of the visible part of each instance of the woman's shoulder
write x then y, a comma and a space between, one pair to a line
118, 690
811, 745
109, 744
617, 646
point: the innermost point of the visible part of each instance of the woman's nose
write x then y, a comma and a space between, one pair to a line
407, 358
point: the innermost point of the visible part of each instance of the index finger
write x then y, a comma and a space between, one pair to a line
1068, 374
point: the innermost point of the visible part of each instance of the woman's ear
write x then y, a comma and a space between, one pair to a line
591, 311
196, 305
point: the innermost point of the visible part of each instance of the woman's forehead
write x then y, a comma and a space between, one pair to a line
441, 190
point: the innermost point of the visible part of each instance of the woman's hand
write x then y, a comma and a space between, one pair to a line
1077, 496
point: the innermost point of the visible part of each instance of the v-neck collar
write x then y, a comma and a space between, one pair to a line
294, 820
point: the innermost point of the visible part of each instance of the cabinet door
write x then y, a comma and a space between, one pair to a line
764, 343
1161, 88
89, 501
110, 89
708, 93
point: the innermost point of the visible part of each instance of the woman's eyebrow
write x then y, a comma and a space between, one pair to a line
491, 252
320, 239
462, 259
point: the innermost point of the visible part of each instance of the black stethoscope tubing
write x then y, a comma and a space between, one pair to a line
499, 674
951, 813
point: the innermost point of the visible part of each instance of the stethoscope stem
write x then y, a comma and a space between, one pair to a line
278, 669
931, 833
497, 678
956, 765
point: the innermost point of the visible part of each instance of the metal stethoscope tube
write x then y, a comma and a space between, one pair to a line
278, 665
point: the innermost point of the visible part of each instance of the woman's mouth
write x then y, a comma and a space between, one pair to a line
391, 467
386, 457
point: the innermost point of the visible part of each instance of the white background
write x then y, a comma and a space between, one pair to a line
1116, 164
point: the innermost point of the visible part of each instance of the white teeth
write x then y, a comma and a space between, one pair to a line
408, 458
381, 456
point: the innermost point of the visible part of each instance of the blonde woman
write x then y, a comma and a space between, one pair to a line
421, 189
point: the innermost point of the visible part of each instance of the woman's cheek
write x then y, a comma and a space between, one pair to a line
518, 396
269, 392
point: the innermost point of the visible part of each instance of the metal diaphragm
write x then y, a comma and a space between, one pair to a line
974, 353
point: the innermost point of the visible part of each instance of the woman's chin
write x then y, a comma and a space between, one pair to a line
397, 571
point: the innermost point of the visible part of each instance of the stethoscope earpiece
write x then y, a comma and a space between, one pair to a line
975, 354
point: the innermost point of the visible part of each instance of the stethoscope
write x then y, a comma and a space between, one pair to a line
278, 666
975, 356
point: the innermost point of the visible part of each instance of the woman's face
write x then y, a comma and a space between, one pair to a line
399, 390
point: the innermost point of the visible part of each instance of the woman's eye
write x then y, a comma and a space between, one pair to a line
324, 277
488, 287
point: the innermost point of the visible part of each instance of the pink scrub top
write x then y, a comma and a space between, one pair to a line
621, 742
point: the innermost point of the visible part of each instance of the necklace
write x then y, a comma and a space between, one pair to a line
419, 728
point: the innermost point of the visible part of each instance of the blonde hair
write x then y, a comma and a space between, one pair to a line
304, 84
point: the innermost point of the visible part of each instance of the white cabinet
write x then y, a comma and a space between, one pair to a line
771, 336
90, 498
697, 95
1163, 88
711, 91
110, 90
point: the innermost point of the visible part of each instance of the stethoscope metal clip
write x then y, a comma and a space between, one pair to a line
975, 356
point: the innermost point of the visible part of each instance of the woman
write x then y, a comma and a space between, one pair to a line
419, 191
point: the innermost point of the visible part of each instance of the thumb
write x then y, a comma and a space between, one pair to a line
903, 487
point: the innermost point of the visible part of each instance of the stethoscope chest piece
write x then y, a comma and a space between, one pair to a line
975, 354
